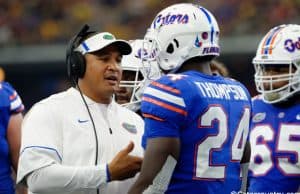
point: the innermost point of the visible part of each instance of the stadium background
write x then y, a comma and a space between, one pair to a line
34, 34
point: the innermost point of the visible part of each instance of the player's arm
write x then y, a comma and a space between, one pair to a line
246, 159
14, 142
156, 154
244, 166
15, 109
246, 153
61, 178
164, 109
14, 138
13, 134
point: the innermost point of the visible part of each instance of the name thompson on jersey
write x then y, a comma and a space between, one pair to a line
221, 91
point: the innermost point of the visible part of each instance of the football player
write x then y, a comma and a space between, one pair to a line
196, 124
275, 130
11, 117
136, 76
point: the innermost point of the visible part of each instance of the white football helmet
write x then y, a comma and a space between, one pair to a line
280, 47
141, 75
180, 32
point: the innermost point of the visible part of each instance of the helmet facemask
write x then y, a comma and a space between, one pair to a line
132, 81
136, 76
266, 84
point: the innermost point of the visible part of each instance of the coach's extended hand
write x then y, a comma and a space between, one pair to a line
123, 165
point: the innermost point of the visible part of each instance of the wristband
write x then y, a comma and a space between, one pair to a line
108, 179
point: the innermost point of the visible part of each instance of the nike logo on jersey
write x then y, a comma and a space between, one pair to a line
82, 121
258, 117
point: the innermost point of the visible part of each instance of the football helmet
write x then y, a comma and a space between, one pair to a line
279, 48
180, 32
136, 76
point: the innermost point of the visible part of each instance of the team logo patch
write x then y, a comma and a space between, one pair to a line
259, 117
108, 37
129, 127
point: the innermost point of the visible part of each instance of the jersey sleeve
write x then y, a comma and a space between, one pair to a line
164, 109
41, 143
14, 99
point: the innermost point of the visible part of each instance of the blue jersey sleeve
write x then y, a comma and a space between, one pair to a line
164, 109
12, 97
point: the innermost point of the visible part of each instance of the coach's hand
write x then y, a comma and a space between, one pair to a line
123, 165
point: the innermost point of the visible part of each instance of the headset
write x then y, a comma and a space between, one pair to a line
75, 61
76, 66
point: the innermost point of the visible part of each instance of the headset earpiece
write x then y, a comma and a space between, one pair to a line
77, 65
75, 60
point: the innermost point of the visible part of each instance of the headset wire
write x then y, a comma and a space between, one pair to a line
92, 120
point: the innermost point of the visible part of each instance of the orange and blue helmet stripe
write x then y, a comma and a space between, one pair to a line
269, 40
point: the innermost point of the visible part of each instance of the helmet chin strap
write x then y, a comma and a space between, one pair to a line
279, 96
272, 96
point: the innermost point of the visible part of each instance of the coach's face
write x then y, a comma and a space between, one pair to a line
103, 74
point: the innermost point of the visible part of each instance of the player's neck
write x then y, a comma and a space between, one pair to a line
202, 67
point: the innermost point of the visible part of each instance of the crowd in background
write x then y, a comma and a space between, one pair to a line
48, 21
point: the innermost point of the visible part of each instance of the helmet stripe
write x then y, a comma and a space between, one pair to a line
210, 22
273, 40
265, 40
269, 40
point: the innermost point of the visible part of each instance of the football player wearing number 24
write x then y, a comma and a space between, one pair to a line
196, 124
275, 130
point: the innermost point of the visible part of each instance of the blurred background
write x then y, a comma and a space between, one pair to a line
34, 34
